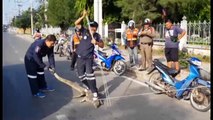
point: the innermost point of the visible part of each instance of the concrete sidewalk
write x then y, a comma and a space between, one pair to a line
142, 75
26, 37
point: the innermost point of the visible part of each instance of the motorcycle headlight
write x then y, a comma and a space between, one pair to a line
195, 61
198, 63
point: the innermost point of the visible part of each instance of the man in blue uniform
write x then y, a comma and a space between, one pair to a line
85, 52
35, 66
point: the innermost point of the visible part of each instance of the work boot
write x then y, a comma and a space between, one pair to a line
48, 89
141, 69
71, 68
40, 95
95, 96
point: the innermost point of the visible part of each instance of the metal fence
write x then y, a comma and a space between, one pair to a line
198, 33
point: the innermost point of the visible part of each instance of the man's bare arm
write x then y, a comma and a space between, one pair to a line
79, 20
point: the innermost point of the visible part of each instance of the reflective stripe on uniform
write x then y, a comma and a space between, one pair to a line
81, 76
40, 73
90, 75
31, 76
90, 78
83, 79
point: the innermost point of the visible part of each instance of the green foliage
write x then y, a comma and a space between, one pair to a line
139, 10
202, 9
23, 21
110, 19
38, 18
63, 13
175, 9
182, 59
111, 12
60, 13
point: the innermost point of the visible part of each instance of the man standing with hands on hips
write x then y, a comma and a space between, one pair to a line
172, 38
85, 52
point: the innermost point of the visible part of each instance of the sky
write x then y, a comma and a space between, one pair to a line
10, 8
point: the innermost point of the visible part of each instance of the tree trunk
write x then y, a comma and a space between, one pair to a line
24, 30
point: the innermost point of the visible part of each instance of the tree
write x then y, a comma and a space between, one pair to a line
23, 21
60, 13
38, 18
138, 10
111, 12
176, 9
202, 9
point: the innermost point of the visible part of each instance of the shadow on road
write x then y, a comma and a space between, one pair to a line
19, 104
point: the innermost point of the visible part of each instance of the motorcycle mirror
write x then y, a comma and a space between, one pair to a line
184, 49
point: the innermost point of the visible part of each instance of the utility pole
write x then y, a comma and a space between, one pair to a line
98, 15
45, 12
32, 17
19, 11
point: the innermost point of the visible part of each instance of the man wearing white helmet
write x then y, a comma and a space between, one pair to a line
131, 42
146, 34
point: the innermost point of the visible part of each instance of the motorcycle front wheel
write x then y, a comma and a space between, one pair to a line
119, 67
60, 52
200, 98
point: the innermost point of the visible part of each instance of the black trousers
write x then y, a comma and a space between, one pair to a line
86, 73
35, 76
74, 59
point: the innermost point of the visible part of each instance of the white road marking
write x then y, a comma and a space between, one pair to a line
21, 59
143, 84
136, 81
62, 117
16, 51
13, 47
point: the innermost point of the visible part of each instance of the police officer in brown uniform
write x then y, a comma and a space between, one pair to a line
146, 34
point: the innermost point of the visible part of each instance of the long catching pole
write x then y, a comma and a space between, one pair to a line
104, 80
32, 17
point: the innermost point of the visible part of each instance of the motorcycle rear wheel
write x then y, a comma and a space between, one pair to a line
200, 98
153, 79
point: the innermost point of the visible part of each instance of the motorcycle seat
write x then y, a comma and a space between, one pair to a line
171, 71
102, 53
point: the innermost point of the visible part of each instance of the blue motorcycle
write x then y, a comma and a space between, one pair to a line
194, 87
114, 62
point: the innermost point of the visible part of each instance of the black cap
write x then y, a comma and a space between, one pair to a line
93, 24
77, 29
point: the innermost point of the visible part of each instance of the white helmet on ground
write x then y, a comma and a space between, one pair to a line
131, 23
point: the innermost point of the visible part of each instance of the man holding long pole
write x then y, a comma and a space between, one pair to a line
85, 52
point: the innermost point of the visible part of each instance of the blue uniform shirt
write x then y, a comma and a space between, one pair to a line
85, 48
37, 50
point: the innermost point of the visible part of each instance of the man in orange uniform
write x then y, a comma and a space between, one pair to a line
75, 40
131, 37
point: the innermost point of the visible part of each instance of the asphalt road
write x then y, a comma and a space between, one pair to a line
130, 100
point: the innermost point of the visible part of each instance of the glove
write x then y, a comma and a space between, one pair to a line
139, 47
125, 46
52, 70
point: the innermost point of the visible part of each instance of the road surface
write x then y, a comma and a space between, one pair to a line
130, 99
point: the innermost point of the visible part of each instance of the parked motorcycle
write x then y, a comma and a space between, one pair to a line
193, 87
114, 62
